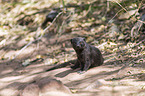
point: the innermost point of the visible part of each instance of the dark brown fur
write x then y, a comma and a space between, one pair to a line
87, 55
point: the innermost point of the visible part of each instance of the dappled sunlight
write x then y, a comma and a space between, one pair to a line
12, 78
9, 92
7, 71
29, 53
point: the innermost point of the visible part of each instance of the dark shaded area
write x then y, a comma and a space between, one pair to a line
50, 17
61, 65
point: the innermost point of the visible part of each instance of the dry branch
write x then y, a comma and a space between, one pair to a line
39, 38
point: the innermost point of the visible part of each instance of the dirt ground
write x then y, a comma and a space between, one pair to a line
123, 71
105, 80
113, 78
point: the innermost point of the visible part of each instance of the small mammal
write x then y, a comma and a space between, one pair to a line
87, 55
50, 17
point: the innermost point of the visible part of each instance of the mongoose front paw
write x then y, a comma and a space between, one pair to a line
81, 72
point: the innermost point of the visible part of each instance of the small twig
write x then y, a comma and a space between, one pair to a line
39, 38
88, 11
115, 15
139, 42
120, 5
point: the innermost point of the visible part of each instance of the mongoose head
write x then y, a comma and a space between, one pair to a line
51, 15
78, 43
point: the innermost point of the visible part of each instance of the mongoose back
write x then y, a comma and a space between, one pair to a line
87, 55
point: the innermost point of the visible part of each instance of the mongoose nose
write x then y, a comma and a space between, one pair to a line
78, 46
